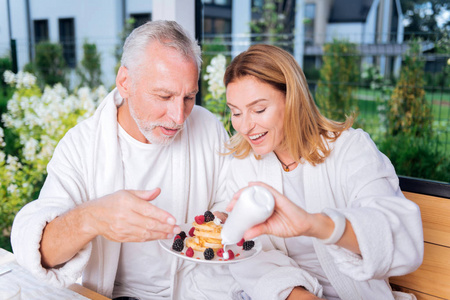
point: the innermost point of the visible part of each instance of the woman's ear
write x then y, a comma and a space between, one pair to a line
123, 82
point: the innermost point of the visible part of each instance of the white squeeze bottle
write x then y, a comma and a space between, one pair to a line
254, 206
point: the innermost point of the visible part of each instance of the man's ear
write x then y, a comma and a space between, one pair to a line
123, 82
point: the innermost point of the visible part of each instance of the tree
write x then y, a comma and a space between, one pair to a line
409, 114
89, 70
422, 16
271, 19
338, 77
50, 64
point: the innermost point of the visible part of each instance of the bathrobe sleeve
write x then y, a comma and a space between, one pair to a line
64, 188
272, 274
388, 227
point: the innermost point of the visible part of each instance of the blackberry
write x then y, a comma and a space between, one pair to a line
208, 254
178, 245
182, 235
209, 216
248, 245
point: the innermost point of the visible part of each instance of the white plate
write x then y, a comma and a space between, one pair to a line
239, 253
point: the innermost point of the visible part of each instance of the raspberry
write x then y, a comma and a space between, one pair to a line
230, 254
189, 252
177, 237
200, 219
191, 232
178, 245
182, 235
220, 252
208, 254
209, 216
248, 245
241, 242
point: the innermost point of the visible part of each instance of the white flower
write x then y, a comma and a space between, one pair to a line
30, 149
24, 80
2, 156
9, 77
28, 80
12, 165
12, 188
215, 72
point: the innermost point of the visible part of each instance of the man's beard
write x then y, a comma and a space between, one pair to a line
148, 128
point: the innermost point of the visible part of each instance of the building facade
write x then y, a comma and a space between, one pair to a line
369, 23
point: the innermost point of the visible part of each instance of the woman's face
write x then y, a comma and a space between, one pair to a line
257, 113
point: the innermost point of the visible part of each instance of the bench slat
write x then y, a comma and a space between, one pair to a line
435, 217
433, 276
419, 295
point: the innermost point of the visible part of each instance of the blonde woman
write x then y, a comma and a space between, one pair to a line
341, 225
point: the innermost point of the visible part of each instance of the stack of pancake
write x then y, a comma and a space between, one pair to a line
206, 235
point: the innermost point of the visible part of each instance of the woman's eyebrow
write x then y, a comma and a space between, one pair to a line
248, 105
255, 102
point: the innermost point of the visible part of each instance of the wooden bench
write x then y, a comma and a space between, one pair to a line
431, 281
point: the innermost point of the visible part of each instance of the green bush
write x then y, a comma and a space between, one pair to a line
50, 64
5, 89
34, 123
416, 157
89, 70
339, 76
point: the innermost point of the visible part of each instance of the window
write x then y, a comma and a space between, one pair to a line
218, 2
40, 31
67, 40
141, 19
216, 26
258, 4
310, 14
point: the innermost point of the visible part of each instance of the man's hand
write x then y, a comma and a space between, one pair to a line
124, 216
128, 216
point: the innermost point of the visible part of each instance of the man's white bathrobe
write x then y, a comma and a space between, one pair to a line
360, 182
87, 164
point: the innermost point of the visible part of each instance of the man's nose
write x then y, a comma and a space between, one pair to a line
176, 111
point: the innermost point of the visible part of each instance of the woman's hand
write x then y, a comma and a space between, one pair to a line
287, 220
301, 293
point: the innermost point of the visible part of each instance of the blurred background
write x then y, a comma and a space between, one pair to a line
386, 60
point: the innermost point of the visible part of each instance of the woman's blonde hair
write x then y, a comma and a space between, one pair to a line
306, 131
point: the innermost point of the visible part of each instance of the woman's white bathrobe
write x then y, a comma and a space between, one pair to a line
360, 182
87, 164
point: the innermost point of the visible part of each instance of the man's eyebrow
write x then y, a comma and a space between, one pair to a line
163, 90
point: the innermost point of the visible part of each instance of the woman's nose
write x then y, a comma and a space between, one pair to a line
248, 123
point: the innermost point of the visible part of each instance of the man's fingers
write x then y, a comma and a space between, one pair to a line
146, 195
138, 234
149, 210
151, 224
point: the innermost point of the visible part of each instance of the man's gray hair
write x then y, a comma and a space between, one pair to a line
168, 33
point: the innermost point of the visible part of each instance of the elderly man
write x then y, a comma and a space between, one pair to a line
147, 160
